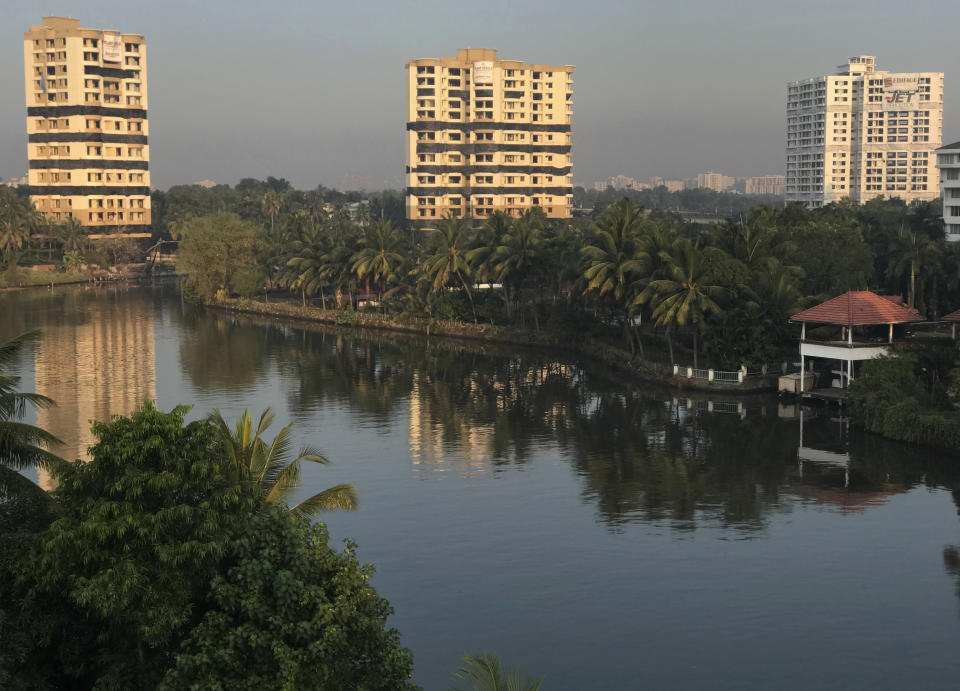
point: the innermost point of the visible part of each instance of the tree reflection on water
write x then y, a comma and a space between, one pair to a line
642, 454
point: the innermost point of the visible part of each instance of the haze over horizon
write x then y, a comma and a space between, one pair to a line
317, 94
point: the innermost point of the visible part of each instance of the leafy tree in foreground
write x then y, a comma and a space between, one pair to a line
147, 522
292, 613
485, 674
266, 468
158, 570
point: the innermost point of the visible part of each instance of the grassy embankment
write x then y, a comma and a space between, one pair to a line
25, 278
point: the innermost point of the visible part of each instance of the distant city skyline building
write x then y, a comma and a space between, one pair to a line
765, 184
948, 167
620, 182
863, 133
671, 185
718, 182
486, 134
16, 182
86, 97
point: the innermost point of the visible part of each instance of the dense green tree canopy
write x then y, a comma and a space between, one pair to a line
153, 564
292, 613
217, 250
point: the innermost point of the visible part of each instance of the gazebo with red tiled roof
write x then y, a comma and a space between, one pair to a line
854, 309
954, 319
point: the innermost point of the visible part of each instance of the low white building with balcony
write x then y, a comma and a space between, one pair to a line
948, 162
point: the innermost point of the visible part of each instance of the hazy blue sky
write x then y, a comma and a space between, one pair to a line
314, 91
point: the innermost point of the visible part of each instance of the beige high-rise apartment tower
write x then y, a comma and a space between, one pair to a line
863, 133
486, 135
86, 96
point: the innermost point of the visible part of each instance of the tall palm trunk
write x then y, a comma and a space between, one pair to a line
467, 288
913, 280
670, 346
695, 348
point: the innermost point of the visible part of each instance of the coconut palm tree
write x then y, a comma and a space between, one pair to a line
14, 233
270, 204
517, 256
686, 295
265, 467
449, 263
613, 256
307, 267
912, 253
21, 445
486, 239
380, 257
484, 673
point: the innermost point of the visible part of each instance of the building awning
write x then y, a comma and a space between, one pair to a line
858, 308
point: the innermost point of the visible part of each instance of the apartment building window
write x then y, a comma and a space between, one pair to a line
134, 126
453, 136
132, 47
94, 177
93, 151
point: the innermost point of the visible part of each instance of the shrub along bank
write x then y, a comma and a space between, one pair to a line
905, 397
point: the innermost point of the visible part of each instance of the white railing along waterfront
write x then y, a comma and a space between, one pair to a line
728, 377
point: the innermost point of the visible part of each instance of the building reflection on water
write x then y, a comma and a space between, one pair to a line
828, 456
93, 366
467, 435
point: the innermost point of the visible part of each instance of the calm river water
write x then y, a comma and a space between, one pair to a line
605, 534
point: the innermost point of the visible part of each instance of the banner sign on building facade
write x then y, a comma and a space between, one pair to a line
901, 90
112, 47
483, 73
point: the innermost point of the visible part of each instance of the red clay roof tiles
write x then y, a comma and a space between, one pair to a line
952, 317
857, 308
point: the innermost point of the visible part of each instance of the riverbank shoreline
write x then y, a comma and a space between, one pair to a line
611, 357
62, 279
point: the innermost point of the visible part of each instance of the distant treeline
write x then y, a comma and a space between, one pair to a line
247, 199
704, 201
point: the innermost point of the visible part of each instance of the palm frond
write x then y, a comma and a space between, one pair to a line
343, 497
10, 350
284, 482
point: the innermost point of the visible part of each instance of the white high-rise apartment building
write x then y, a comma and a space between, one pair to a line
863, 133
948, 165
